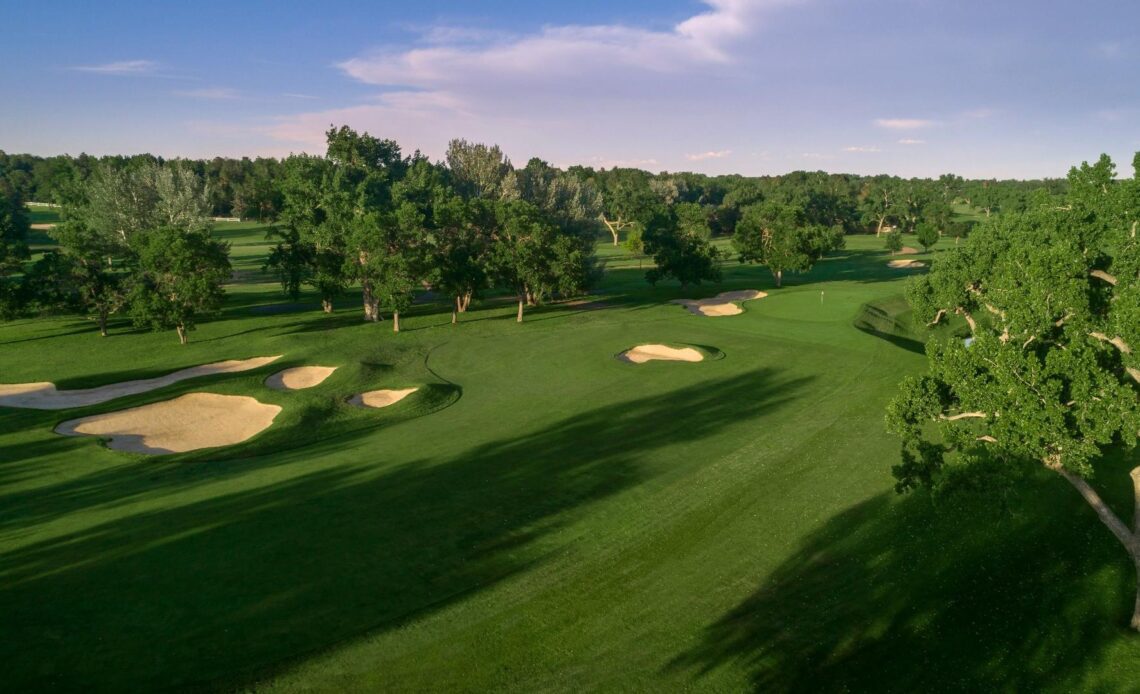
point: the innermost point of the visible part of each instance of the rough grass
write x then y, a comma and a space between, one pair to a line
543, 517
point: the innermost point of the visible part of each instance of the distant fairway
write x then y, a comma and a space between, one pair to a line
539, 516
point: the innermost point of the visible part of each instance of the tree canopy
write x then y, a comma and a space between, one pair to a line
1052, 300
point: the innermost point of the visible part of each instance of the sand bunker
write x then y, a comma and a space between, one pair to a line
907, 250
299, 378
380, 398
44, 396
906, 263
643, 353
723, 304
186, 423
41, 227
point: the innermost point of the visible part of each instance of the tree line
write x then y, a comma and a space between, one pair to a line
135, 236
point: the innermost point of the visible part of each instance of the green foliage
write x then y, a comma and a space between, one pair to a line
179, 279
13, 250
777, 236
894, 242
1050, 377
927, 234
292, 260
688, 258
481, 171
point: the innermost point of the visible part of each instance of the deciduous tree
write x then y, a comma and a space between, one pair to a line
179, 279
1051, 377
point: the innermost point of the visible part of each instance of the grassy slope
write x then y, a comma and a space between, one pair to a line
568, 523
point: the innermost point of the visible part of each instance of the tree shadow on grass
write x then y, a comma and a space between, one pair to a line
229, 584
880, 322
898, 595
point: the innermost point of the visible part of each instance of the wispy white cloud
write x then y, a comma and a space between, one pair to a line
861, 149
449, 34
563, 83
293, 95
585, 51
701, 156
911, 141
122, 67
210, 93
904, 123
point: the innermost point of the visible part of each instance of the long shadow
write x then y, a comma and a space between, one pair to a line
75, 327
905, 595
877, 320
230, 587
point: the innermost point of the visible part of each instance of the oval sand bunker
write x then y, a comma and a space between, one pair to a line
643, 353
380, 398
44, 396
299, 378
906, 264
723, 304
186, 423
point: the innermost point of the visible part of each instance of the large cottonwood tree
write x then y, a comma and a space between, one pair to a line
776, 236
1051, 376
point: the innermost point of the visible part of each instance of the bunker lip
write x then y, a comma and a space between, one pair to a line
907, 250
723, 304
186, 423
299, 377
44, 396
905, 264
380, 398
644, 353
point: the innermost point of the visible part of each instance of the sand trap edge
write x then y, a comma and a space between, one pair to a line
708, 353
306, 377
380, 398
125, 442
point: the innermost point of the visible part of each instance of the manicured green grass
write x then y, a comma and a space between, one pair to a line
966, 213
540, 516
43, 215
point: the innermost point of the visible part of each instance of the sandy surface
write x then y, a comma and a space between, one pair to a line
907, 250
299, 377
42, 227
906, 263
643, 353
44, 396
723, 304
186, 423
380, 398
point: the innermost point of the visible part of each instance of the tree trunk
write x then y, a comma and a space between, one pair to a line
521, 301
779, 278
395, 321
1130, 538
613, 231
102, 323
181, 329
879, 229
371, 303
455, 311
1135, 623
463, 306
530, 300
326, 305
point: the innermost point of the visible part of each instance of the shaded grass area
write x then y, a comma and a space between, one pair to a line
540, 516
905, 594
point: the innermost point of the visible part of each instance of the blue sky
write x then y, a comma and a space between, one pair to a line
1017, 88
